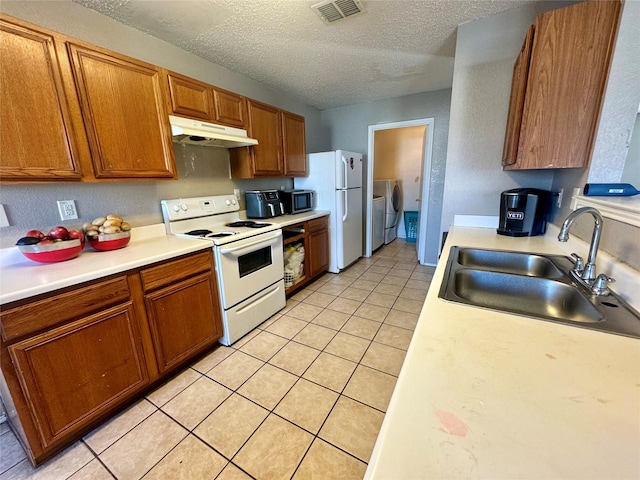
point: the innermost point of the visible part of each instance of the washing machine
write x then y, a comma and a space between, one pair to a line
379, 205
391, 190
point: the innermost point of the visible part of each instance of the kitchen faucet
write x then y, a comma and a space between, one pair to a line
585, 275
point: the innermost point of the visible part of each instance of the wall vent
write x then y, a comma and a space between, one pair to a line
333, 10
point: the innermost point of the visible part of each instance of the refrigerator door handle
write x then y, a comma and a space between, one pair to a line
346, 173
346, 205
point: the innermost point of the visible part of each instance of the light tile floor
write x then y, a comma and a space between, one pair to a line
302, 396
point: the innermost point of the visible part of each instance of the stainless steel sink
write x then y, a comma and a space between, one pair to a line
534, 285
520, 263
526, 295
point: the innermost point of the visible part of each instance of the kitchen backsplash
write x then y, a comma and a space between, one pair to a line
201, 171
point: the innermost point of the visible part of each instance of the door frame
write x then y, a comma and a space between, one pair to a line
423, 208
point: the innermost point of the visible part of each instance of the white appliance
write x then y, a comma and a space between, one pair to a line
392, 191
197, 132
337, 179
379, 205
248, 255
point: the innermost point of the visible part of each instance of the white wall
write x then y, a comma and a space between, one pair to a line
485, 52
348, 129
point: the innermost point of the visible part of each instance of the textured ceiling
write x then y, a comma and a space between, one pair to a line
395, 48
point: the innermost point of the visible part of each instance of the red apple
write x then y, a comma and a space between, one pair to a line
76, 234
34, 233
58, 233
45, 241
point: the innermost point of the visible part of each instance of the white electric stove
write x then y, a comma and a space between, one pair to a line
248, 255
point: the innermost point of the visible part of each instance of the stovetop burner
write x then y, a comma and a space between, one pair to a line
209, 233
247, 223
199, 233
221, 234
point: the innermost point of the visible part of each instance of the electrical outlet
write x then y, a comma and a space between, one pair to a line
236, 192
67, 209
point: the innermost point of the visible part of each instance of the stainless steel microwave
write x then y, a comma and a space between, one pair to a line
297, 201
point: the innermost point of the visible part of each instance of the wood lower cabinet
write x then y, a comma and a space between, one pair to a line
37, 138
281, 148
73, 374
318, 246
71, 359
313, 235
563, 89
181, 299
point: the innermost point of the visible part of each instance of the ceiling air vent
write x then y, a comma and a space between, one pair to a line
331, 11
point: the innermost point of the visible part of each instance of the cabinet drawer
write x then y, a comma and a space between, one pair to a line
318, 224
173, 271
39, 315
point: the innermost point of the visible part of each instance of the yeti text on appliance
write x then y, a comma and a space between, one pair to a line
515, 215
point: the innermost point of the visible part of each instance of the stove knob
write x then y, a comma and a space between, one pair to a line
175, 208
184, 207
227, 202
233, 201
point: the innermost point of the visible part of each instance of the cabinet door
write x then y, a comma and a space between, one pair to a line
73, 374
318, 246
293, 142
516, 101
230, 108
569, 65
184, 319
190, 97
124, 115
264, 125
36, 139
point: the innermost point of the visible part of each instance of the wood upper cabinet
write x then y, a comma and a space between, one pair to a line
37, 138
190, 97
516, 101
570, 57
230, 108
124, 116
281, 149
294, 147
183, 309
194, 99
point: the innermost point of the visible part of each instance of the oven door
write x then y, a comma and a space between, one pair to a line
247, 266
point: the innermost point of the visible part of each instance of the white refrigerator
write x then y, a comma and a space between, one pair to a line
336, 178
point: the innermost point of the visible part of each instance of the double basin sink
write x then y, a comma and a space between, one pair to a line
534, 285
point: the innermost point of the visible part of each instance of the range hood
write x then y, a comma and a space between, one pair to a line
197, 132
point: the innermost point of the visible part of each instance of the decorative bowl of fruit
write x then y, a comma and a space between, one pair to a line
58, 245
107, 233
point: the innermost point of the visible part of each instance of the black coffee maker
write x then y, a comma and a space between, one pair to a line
524, 212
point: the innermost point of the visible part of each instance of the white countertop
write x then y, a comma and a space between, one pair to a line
485, 394
22, 278
286, 220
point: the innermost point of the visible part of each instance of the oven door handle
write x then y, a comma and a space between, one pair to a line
264, 238
261, 298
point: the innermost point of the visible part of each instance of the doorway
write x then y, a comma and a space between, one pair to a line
404, 162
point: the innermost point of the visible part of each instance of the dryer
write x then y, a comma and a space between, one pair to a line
392, 191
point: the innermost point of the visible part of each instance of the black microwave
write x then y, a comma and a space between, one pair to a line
297, 201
